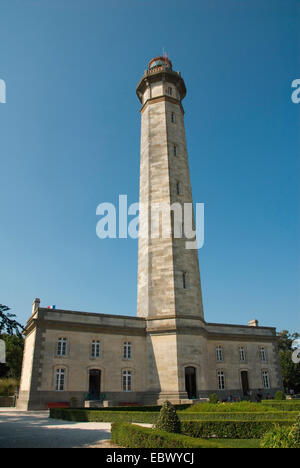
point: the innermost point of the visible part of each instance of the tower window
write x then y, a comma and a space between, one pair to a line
242, 354
127, 381
173, 118
221, 380
263, 356
266, 379
178, 188
95, 349
62, 347
184, 280
60, 380
170, 91
219, 353
127, 350
175, 150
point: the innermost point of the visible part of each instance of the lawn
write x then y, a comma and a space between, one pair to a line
238, 443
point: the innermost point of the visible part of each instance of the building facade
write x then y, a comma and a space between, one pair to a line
168, 351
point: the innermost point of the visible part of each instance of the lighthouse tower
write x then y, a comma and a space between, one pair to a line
169, 289
168, 272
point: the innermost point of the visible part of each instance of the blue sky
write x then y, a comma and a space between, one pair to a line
70, 134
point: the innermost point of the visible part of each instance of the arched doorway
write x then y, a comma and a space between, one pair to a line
190, 382
94, 384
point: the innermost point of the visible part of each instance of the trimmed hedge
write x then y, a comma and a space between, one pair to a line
238, 407
254, 416
288, 405
230, 429
129, 435
147, 409
87, 415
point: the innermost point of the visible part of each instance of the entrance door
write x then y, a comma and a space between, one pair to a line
190, 382
245, 382
94, 384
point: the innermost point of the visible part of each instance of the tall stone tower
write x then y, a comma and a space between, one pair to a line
169, 289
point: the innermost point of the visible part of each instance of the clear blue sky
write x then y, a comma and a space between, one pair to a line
70, 134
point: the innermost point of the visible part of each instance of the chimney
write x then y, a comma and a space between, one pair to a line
253, 323
35, 305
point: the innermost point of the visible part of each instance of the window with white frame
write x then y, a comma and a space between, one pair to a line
60, 380
95, 348
219, 353
266, 379
242, 354
263, 356
62, 347
127, 350
173, 117
221, 380
127, 381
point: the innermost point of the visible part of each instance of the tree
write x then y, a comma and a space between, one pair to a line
285, 342
11, 334
8, 324
290, 370
14, 355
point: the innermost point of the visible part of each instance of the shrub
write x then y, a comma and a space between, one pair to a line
279, 395
8, 386
296, 432
168, 420
278, 437
73, 402
129, 435
230, 429
213, 398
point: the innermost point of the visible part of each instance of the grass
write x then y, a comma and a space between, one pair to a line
238, 443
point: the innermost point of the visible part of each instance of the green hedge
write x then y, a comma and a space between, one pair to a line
230, 429
255, 416
87, 415
147, 409
238, 407
129, 435
288, 405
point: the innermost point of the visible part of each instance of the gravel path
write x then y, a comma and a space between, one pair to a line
21, 429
